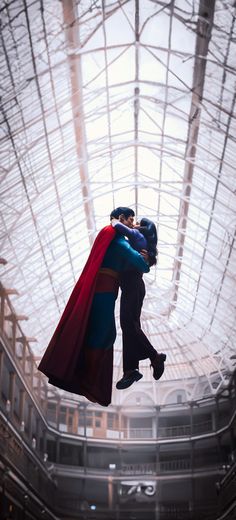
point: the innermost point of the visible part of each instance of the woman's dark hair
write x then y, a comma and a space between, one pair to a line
149, 230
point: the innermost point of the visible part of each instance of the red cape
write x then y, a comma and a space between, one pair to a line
60, 362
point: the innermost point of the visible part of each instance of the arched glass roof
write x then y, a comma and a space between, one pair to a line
129, 102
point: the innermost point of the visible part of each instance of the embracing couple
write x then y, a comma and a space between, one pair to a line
79, 357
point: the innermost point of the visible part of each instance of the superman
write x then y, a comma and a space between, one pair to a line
79, 357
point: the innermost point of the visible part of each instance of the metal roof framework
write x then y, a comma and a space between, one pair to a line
107, 103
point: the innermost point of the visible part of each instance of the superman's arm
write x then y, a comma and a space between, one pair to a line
133, 259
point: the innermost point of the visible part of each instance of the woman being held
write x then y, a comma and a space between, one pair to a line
136, 346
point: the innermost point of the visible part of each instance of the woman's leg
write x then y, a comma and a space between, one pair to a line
136, 345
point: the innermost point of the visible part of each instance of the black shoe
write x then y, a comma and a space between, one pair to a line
128, 379
158, 365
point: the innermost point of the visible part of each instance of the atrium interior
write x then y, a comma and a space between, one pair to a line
108, 103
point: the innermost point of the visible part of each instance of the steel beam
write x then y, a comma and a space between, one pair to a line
204, 26
72, 36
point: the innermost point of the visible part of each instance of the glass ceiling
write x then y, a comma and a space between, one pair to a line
129, 102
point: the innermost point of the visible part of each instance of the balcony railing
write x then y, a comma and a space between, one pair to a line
139, 469
174, 431
138, 433
185, 429
167, 432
